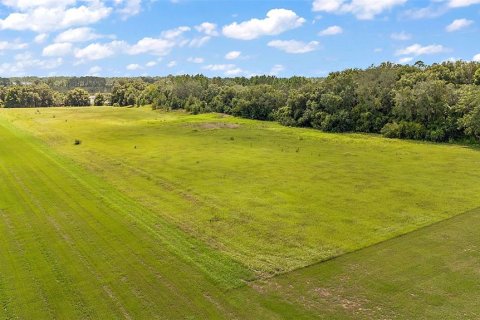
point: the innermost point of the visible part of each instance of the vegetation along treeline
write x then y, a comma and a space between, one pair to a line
439, 102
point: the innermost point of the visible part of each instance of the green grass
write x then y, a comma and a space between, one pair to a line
72, 247
432, 273
271, 197
168, 215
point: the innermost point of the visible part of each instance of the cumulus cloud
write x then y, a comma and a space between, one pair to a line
232, 55
294, 46
418, 50
57, 49
362, 9
458, 24
227, 69
133, 67
128, 8
208, 28
40, 38
277, 21
401, 36
172, 64
156, 46
25, 62
331, 31
476, 57
57, 16
98, 51
77, 35
151, 64
462, 3
15, 45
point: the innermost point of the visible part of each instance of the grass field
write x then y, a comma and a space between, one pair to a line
167, 215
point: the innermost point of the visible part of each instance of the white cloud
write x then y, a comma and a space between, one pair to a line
331, 31
94, 71
130, 7
55, 15
227, 69
418, 50
151, 64
98, 51
57, 49
198, 42
174, 33
362, 9
77, 35
458, 24
327, 5
476, 57
172, 64
294, 46
40, 38
401, 36
405, 60
232, 55
208, 28
15, 45
133, 66
462, 3
277, 69
156, 46
277, 21
195, 60
25, 62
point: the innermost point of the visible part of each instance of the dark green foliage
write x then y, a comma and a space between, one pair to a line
77, 98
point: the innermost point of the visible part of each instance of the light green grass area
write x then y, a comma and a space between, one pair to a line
270, 197
72, 247
432, 273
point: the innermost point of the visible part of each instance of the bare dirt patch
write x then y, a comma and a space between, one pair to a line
217, 125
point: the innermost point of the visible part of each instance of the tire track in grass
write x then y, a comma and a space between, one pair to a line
19, 247
6, 311
37, 205
114, 253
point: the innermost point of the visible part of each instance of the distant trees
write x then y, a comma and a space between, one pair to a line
101, 99
439, 102
18, 96
77, 98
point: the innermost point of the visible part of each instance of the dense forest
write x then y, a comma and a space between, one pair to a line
439, 102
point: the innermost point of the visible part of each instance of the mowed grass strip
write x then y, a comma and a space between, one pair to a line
74, 248
431, 273
271, 197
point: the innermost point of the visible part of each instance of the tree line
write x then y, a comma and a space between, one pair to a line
439, 102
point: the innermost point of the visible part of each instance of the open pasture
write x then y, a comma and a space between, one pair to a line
271, 198
138, 214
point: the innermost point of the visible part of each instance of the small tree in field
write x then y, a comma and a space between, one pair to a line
77, 98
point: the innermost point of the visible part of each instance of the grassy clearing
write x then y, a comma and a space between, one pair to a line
271, 197
75, 248
432, 273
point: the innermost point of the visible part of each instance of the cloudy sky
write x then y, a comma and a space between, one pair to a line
229, 37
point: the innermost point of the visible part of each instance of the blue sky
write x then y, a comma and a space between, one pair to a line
230, 38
